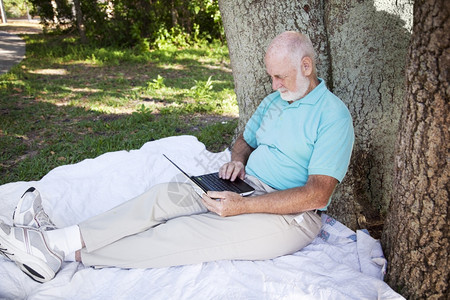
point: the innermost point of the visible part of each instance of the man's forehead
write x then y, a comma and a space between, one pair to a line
279, 62
280, 70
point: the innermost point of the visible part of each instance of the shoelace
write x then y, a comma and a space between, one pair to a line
4, 253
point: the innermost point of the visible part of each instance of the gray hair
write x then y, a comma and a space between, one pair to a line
297, 46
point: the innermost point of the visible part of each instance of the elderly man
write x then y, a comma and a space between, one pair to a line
294, 150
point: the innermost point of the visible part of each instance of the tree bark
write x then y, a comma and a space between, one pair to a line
2, 12
368, 45
416, 237
79, 19
174, 13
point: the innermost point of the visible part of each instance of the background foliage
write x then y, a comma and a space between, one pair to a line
135, 23
16, 8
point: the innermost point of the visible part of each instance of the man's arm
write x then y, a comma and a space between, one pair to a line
239, 156
313, 195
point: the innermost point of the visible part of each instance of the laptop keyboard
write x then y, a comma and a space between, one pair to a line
216, 184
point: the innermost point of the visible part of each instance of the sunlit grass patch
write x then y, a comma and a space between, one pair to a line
67, 102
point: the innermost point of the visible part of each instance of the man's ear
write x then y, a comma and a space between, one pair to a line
307, 66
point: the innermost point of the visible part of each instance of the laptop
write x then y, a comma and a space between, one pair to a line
212, 182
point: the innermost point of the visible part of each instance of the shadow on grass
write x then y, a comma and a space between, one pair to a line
36, 137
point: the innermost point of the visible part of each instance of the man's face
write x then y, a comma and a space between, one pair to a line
287, 77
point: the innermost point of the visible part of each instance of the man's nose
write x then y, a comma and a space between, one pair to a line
276, 83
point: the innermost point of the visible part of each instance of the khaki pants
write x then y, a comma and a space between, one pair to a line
168, 226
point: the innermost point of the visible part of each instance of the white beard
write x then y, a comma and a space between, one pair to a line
302, 87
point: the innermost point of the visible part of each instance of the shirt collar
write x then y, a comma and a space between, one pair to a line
313, 96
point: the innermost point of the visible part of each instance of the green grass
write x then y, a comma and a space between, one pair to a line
67, 102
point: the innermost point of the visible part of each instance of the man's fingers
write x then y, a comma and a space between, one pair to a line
234, 174
206, 201
232, 170
222, 203
215, 195
211, 203
239, 171
224, 170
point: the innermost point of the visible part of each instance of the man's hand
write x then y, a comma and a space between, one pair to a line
239, 156
224, 204
232, 170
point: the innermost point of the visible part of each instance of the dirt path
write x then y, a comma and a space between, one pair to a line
12, 47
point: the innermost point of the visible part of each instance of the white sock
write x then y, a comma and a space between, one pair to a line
66, 239
70, 257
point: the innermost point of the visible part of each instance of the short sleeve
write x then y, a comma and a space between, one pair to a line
333, 148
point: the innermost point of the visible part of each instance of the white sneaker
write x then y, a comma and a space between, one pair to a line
28, 248
30, 213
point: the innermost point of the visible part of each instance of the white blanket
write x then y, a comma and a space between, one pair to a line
339, 264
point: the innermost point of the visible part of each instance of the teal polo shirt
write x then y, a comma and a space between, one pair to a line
313, 135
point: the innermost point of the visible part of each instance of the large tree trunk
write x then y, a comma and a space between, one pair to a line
361, 55
2, 12
368, 47
416, 236
79, 20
